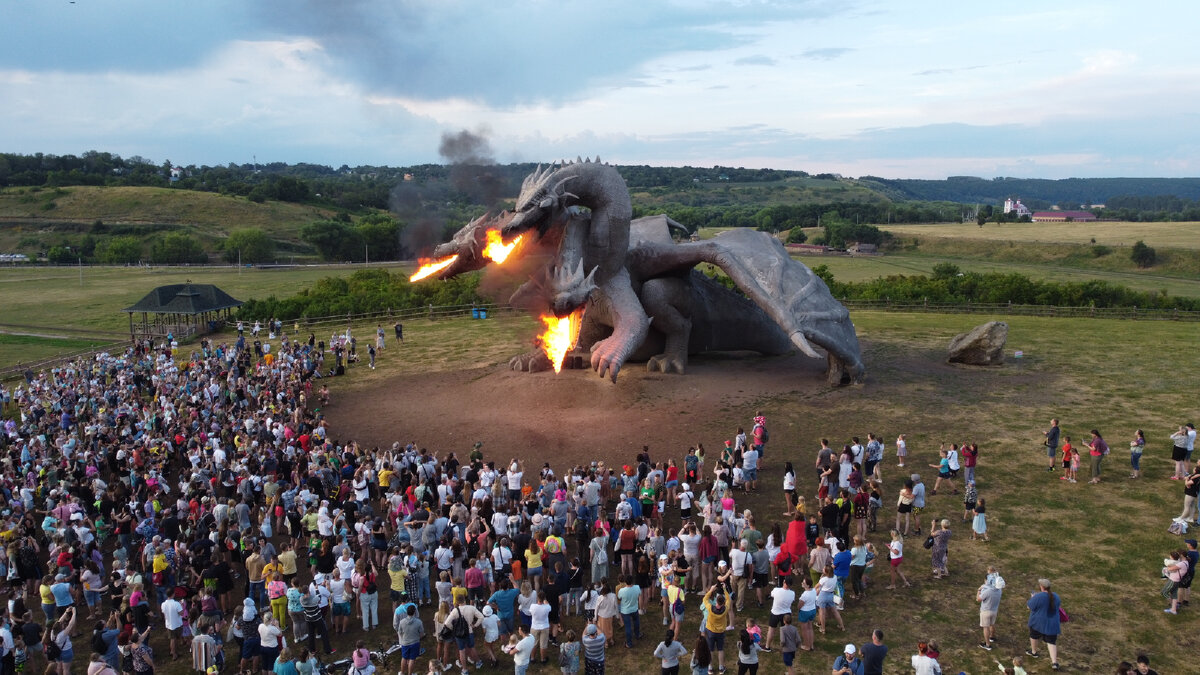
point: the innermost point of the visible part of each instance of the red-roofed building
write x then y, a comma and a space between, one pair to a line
1064, 216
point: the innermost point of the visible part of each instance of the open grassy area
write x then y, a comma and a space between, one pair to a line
15, 349
50, 296
39, 214
1165, 235
864, 268
1096, 543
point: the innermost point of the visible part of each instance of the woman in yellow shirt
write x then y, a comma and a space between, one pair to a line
47, 598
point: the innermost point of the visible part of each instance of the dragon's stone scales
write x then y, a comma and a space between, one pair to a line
643, 298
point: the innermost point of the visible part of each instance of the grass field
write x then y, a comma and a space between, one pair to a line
1165, 235
15, 349
1096, 543
207, 214
53, 296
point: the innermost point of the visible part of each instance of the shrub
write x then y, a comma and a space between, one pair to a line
1143, 255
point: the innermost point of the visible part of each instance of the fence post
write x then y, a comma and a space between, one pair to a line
431, 311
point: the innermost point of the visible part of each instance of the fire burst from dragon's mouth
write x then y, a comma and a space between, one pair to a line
560, 336
495, 250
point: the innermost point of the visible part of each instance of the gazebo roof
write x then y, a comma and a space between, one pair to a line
184, 299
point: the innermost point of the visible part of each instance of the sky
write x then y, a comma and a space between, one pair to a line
897, 88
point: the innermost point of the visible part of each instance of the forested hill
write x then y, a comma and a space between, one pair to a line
370, 186
1069, 192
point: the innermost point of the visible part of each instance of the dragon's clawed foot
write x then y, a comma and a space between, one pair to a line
530, 362
608, 355
667, 363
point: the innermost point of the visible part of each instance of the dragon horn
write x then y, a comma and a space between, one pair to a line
590, 279
532, 178
558, 186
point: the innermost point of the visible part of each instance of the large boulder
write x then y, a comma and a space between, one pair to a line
982, 346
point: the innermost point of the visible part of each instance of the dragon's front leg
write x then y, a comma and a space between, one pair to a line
630, 326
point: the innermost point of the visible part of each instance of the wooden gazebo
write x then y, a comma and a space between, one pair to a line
181, 310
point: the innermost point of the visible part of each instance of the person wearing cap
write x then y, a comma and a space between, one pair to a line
491, 633
848, 663
988, 597
593, 649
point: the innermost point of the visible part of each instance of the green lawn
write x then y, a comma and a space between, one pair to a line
15, 349
1165, 235
864, 268
48, 296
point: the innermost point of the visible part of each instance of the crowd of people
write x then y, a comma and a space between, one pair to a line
206, 493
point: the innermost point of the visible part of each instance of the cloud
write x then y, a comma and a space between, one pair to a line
512, 53
756, 60
275, 99
825, 53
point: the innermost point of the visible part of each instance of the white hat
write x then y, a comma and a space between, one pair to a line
849, 649
487, 610
537, 518
686, 487
662, 557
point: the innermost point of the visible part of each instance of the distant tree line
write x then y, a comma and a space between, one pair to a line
369, 290
948, 284
781, 217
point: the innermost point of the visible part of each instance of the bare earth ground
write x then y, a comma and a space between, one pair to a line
574, 417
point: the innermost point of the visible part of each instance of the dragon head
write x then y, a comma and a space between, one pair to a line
570, 289
539, 202
468, 244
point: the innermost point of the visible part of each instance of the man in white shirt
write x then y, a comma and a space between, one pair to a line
739, 562
172, 613
515, 474
750, 469
521, 652
782, 598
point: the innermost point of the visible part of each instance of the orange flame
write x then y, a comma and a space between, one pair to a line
560, 336
428, 269
496, 250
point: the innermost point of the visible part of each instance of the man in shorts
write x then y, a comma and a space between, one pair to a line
409, 631
782, 599
988, 597
1052, 436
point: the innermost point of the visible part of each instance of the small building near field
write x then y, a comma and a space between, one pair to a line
867, 249
180, 310
1064, 216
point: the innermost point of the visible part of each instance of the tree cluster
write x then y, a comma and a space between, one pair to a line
369, 290
949, 285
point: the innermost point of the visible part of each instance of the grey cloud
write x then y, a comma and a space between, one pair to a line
756, 60
506, 53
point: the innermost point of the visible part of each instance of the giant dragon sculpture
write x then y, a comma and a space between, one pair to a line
639, 292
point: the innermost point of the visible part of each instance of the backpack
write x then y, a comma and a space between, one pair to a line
53, 651
461, 629
98, 644
677, 607
766, 435
1177, 527
369, 585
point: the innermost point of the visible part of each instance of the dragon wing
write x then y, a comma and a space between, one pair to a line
787, 290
